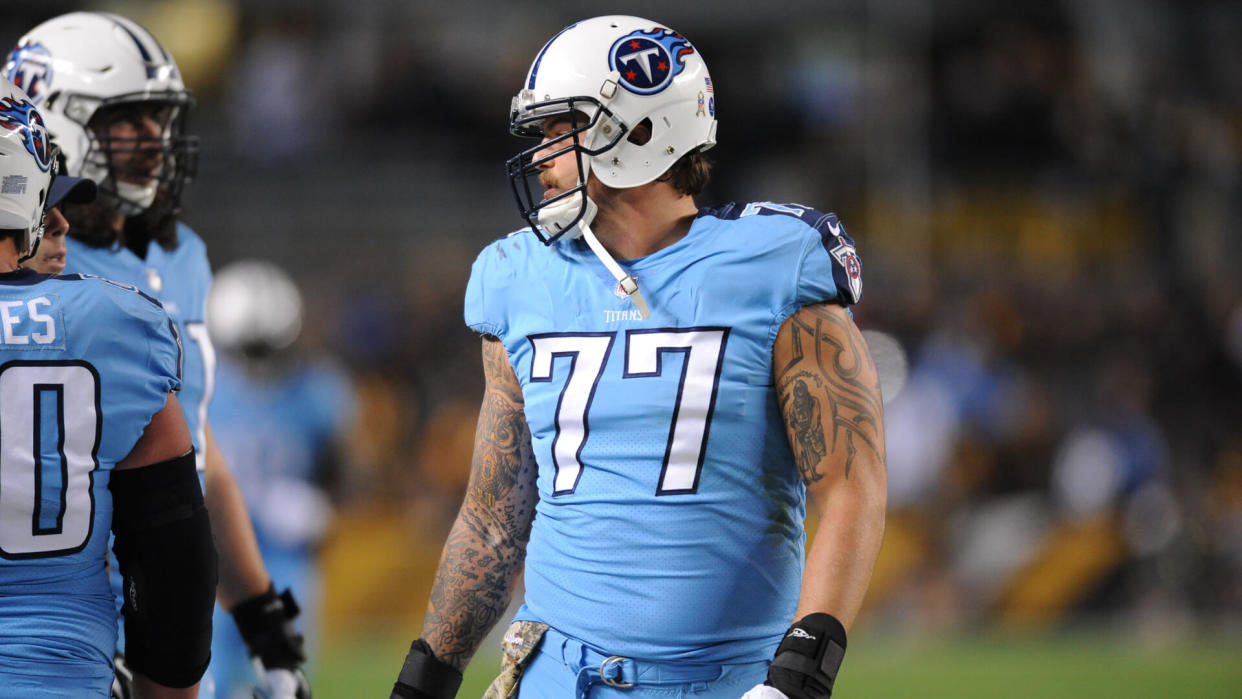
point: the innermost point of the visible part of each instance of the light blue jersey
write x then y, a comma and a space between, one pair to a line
180, 279
277, 436
84, 365
669, 523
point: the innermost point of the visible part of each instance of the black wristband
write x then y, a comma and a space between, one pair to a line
809, 657
424, 676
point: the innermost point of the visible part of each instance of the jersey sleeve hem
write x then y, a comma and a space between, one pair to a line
486, 328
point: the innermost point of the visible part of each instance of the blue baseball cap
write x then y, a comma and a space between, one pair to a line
77, 190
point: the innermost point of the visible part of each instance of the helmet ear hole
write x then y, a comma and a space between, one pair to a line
640, 135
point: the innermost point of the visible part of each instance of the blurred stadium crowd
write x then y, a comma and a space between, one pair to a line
1046, 201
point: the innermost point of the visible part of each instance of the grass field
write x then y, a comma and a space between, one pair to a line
983, 667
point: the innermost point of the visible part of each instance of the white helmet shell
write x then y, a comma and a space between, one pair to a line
638, 70
610, 75
74, 65
253, 303
27, 162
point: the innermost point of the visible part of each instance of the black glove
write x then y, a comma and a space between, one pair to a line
276, 647
809, 657
424, 676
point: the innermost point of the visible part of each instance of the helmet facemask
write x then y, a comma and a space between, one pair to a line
176, 152
591, 123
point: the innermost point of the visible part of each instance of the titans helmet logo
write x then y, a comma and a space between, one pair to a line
29, 66
649, 60
22, 118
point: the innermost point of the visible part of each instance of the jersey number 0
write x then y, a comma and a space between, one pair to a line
46, 505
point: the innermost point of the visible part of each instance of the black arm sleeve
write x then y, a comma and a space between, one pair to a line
167, 558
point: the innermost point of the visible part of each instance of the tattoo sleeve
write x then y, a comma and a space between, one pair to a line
829, 393
487, 544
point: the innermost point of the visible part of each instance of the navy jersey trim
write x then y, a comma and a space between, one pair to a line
846, 267
22, 277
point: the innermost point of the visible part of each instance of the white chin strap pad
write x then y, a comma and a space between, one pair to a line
555, 218
138, 196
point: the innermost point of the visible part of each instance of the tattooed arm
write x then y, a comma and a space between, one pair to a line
829, 396
487, 544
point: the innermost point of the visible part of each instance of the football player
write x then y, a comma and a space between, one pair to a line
114, 100
664, 386
92, 439
279, 419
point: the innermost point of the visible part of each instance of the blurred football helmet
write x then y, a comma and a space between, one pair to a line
253, 307
608, 75
27, 167
81, 66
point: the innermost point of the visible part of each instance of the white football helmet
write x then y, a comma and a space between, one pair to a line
253, 307
27, 166
616, 72
82, 64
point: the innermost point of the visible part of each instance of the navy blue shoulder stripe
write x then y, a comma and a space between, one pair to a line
847, 268
825, 223
728, 212
78, 276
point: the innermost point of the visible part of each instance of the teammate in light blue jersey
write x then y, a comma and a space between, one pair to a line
665, 384
89, 424
279, 418
114, 100
180, 278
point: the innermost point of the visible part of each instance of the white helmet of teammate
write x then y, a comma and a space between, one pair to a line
616, 73
254, 306
81, 64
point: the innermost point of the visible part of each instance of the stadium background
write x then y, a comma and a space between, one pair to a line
1045, 195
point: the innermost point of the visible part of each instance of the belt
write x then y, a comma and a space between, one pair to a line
595, 666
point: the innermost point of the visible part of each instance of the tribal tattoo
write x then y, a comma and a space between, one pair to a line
830, 369
486, 547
